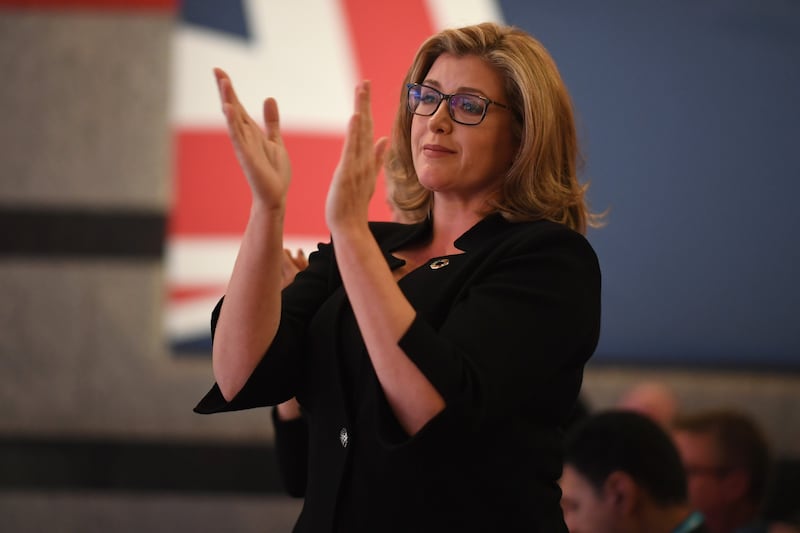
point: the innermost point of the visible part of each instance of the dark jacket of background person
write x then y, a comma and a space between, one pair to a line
503, 332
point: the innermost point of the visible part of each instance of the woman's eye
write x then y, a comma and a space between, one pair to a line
472, 106
429, 98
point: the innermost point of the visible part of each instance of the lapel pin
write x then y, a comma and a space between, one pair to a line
439, 263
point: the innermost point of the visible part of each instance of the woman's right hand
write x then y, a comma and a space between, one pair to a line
262, 155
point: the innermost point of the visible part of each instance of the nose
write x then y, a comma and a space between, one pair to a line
441, 121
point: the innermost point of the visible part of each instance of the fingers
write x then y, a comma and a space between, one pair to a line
380, 151
359, 132
226, 93
354, 179
291, 265
272, 120
297, 261
242, 130
364, 110
300, 260
231, 107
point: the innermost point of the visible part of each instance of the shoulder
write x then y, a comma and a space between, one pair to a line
548, 252
545, 233
545, 230
497, 235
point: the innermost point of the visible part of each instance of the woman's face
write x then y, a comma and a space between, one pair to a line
465, 163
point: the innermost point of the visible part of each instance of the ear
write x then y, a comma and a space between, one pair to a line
621, 493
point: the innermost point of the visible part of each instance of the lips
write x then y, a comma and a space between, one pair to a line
436, 149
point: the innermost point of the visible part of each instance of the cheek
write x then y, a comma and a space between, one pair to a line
493, 154
700, 490
579, 519
416, 132
505, 150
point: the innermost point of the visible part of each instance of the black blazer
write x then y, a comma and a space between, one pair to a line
291, 450
502, 331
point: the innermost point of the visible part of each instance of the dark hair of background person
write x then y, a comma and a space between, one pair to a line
626, 441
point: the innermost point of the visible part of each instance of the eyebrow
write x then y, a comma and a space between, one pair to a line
462, 89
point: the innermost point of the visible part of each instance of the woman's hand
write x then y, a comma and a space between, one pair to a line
291, 265
354, 178
262, 156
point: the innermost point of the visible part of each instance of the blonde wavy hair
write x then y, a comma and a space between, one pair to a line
542, 181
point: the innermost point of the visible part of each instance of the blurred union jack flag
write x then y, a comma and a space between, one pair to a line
309, 55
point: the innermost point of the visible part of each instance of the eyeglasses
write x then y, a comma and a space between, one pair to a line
467, 109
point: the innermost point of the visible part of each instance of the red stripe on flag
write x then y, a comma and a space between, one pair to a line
212, 196
386, 36
187, 294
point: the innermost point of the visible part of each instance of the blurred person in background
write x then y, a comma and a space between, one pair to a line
655, 399
727, 462
622, 474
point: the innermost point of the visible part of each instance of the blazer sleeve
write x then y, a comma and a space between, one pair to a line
275, 379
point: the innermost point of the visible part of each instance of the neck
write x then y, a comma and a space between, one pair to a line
449, 226
727, 520
450, 222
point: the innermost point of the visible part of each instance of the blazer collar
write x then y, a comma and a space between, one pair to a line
478, 234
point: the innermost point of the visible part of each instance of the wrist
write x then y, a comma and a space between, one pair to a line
268, 213
349, 230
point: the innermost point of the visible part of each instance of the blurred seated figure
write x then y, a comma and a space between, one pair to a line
651, 398
622, 474
726, 458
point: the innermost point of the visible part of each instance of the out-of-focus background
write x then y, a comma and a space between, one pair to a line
121, 208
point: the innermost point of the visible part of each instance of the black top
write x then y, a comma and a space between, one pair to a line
502, 331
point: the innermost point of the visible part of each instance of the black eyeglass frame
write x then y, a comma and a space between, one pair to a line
447, 97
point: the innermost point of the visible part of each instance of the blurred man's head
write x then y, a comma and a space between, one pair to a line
651, 398
726, 459
622, 474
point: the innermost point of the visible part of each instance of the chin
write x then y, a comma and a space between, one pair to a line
432, 183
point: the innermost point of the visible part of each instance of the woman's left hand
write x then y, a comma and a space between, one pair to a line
354, 179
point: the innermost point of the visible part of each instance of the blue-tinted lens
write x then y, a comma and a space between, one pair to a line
467, 108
